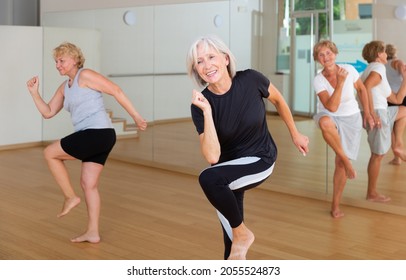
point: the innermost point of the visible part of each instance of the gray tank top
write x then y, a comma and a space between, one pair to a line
86, 106
393, 76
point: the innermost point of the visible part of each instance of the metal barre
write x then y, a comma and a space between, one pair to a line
145, 75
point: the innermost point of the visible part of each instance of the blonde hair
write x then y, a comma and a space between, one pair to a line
207, 42
390, 51
72, 51
372, 49
324, 43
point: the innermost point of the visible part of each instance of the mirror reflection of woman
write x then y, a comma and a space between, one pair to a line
230, 118
94, 136
380, 93
394, 68
338, 114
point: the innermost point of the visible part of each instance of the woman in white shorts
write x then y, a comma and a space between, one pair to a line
379, 134
338, 114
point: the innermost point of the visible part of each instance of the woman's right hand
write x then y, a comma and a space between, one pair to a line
341, 75
200, 101
377, 122
33, 85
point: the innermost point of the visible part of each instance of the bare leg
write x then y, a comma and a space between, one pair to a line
374, 166
331, 136
55, 157
397, 141
339, 181
396, 160
89, 180
242, 241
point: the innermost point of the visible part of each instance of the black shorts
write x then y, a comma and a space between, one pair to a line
90, 145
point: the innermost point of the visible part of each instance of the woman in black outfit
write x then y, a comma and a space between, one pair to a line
230, 117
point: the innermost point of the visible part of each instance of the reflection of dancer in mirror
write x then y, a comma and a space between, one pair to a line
394, 68
230, 117
379, 90
94, 136
338, 114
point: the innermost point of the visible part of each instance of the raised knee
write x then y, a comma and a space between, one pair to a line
326, 123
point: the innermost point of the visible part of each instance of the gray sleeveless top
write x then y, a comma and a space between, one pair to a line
86, 106
393, 76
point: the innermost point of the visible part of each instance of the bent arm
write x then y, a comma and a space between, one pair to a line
364, 100
209, 143
397, 98
91, 79
370, 82
47, 110
333, 102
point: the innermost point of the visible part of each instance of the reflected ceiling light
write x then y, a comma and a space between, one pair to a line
400, 12
218, 21
129, 18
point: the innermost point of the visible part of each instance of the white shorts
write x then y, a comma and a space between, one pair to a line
349, 128
379, 139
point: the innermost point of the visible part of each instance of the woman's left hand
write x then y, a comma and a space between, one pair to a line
141, 123
302, 143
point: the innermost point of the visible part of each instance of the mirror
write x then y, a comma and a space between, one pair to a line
147, 59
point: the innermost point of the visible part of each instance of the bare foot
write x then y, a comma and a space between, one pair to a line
395, 161
68, 205
240, 247
379, 198
87, 237
337, 214
399, 154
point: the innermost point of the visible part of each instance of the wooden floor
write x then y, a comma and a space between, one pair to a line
155, 214
175, 146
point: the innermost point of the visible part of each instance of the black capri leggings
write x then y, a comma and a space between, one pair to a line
224, 185
90, 145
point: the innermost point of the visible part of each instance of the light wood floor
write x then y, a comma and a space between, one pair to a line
175, 146
153, 214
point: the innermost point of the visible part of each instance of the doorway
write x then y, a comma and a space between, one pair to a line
307, 28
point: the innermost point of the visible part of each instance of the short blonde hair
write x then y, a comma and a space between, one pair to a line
207, 42
324, 43
391, 51
372, 49
71, 50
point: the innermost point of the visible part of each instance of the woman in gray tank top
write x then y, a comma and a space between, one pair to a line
94, 136
393, 73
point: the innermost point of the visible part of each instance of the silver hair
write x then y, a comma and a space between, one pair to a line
207, 42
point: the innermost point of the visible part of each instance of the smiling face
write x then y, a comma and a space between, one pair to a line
326, 57
211, 65
66, 65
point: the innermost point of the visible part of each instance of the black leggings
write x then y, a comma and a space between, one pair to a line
224, 185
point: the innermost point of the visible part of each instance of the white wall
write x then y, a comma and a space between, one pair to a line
387, 27
21, 59
143, 58
74, 5
21, 123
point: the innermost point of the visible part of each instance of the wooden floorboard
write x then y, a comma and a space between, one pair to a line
150, 213
155, 214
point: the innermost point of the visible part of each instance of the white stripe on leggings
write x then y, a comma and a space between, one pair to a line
242, 182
